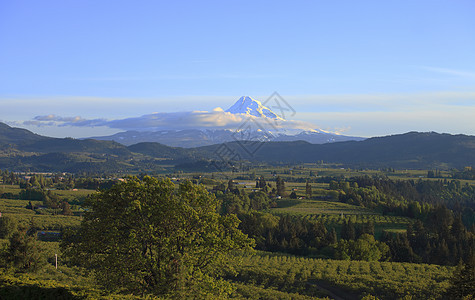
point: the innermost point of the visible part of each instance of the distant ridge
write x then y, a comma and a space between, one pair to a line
408, 150
22, 150
412, 150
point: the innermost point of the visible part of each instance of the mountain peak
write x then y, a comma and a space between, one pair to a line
247, 105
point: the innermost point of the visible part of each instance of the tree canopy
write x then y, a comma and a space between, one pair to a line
146, 236
22, 253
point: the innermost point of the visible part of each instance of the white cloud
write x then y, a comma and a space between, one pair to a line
215, 119
50, 120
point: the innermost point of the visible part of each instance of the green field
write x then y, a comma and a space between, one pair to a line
312, 207
267, 276
26, 217
345, 279
335, 213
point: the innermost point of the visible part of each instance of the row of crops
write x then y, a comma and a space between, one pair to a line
305, 276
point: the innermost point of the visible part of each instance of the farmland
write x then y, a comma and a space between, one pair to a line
318, 268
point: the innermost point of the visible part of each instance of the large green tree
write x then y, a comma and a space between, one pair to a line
146, 236
364, 248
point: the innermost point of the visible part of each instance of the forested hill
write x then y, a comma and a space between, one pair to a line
23, 140
22, 150
160, 151
409, 150
17, 136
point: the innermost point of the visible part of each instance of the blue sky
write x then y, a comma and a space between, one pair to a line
360, 67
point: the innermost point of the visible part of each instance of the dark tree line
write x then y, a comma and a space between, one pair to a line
441, 239
411, 198
300, 236
290, 234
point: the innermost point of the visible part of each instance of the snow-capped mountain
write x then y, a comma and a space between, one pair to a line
248, 106
245, 106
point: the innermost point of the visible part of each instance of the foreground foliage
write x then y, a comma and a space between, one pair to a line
268, 276
144, 236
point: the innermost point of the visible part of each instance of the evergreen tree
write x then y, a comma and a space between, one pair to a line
231, 185
332, 236
66, 209
262, 182
23, 253
280, 185
348, 231
463, 281
458, 229
308, 190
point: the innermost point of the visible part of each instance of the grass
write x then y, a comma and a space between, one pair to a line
333, 214
7, 188
25, 217
16, 207
314, 207
73, 193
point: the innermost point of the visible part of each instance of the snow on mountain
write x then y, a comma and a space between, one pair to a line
244, 106
196, 137
248, 106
